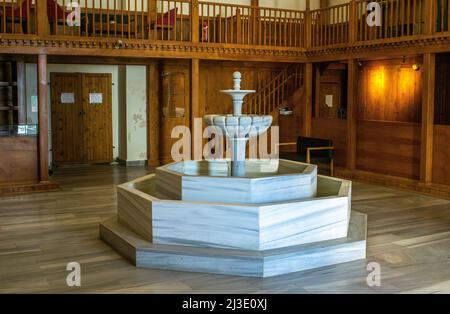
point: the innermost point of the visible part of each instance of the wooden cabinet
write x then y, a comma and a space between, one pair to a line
81, 118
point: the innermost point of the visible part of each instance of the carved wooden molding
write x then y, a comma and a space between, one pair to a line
133, 47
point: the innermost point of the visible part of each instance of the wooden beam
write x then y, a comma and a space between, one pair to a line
429, 17
317, 92
196, 111
153, 114
41, 18
352, 113
353, 22
255, 24
307, 108
43, 118
324, 3
426, 157
195, 30
308, 25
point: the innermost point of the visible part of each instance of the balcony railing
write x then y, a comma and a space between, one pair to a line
17, 16
330, 26
220, 23
239, 24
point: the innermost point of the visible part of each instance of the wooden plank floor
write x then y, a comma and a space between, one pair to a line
409, 235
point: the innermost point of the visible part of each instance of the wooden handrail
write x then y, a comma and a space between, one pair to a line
276, 91
224, 23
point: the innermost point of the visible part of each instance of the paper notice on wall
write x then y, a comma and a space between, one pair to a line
34, 104
67, 98
95, 98
329, 101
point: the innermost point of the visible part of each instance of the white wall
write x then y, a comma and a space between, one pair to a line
133, 113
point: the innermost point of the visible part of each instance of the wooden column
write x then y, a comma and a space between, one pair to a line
352, 113
41, 18
353, 22
255, 18
238, 26
152, 16
429, 17
195, 31
43, 118
426, 157
308, 25
307, 107
153, 114
196, 111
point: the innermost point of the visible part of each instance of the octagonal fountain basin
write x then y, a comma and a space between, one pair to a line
163, 220
265, 181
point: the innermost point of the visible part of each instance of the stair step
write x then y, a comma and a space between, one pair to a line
238, 262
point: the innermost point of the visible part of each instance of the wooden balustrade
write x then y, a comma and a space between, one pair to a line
330, 26
239, 24
134, 19
442, 16
272, 94
220, 23
399, 18
18, 16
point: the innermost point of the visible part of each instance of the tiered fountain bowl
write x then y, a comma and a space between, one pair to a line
256, 218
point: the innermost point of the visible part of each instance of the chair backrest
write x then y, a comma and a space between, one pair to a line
303, 143
25, 7
55, 11
168, 19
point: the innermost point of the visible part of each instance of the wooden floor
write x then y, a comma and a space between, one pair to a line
409, 235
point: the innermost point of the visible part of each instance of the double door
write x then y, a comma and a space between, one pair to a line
81, 118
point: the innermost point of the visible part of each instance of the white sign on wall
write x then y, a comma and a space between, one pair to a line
67, 98
95, 98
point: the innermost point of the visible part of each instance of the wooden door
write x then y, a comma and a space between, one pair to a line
97, 117
330, 100
67, 111
81, 118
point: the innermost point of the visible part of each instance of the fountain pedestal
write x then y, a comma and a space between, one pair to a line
270, 217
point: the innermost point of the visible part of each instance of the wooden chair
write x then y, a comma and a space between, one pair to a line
166, 21
313, 150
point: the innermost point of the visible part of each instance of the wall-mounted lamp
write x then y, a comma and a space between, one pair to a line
416, 66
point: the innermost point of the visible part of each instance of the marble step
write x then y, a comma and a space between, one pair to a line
238, 262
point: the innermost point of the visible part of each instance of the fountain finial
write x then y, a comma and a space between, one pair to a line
237, 80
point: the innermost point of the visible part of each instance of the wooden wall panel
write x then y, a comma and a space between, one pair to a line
442, 89
18, 160
216, 76
391, 148
441, 155
336, 130
390, 90
175, 93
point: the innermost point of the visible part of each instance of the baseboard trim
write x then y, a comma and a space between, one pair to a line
132, 163
432, 189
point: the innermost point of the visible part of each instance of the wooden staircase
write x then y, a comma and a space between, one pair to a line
283, 90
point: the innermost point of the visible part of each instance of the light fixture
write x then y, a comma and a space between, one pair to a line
416, 66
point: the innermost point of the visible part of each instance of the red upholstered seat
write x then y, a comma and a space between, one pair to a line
54, 11
168, 19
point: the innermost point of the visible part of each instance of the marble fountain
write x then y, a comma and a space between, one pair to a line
255, 218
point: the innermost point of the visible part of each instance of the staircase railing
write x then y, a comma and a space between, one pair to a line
274, 93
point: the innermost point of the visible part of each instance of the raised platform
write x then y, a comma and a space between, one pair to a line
193, 216
263, 264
